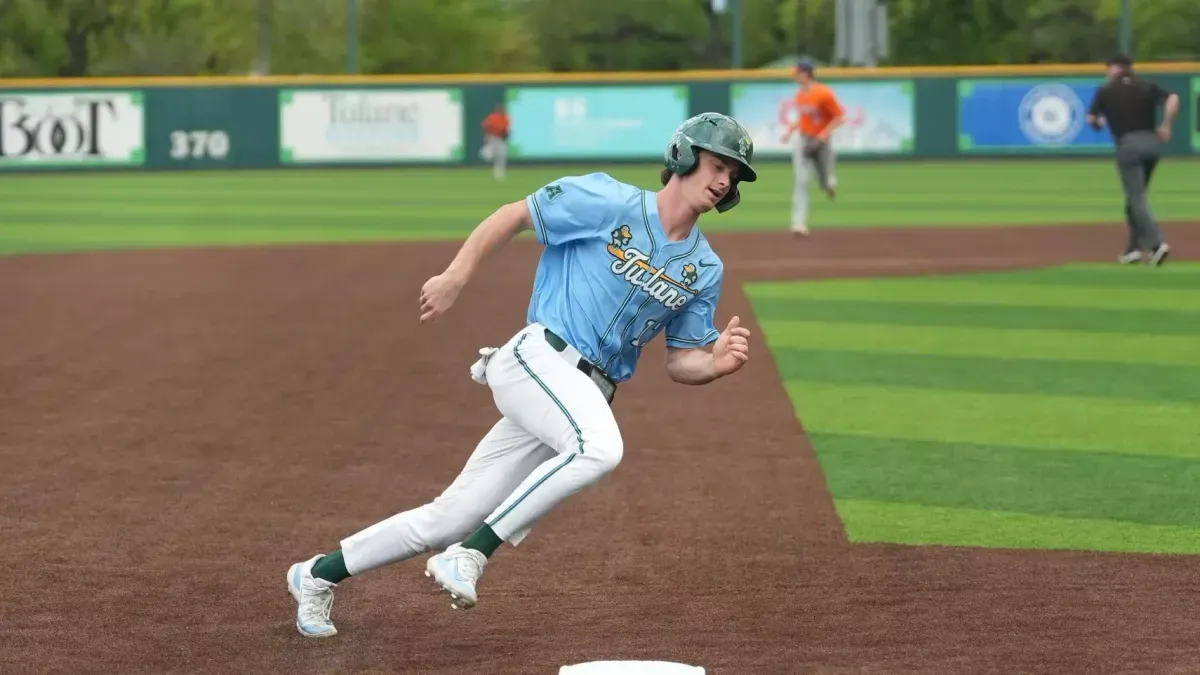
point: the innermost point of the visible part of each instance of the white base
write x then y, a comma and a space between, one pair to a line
631, 668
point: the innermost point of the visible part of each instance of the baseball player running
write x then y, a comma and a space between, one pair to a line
620, 265
819, 114
495, 141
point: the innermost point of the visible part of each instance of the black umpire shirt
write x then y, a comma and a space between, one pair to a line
1128, 103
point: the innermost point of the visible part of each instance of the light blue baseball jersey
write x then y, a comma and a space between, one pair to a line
609, 281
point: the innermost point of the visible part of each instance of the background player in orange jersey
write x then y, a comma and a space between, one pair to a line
819, 113
495, 140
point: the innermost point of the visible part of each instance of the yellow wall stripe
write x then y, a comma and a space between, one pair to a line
1080, 69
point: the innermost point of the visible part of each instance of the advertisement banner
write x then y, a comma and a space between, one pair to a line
879, 116
1196, 114
76, 128
376, 125
608, 122
1028, 115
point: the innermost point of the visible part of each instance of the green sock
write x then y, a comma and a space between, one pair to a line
331, 568
484, 540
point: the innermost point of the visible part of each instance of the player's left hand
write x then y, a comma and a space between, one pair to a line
732, 348
437, 295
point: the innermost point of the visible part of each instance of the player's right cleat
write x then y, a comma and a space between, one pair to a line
314, 600
1130, 257
456, 570
1159, 255
799, 229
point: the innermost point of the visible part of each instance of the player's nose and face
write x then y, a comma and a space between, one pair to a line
714, 177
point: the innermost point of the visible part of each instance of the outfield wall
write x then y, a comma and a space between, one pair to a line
275, 122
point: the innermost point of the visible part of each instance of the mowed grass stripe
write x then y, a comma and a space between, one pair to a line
1140, 381
1049, 345
868, 521
450, 201
251, 213
916, 313
962, 291
116, 236
1179, 275
1021, 420
1075, 484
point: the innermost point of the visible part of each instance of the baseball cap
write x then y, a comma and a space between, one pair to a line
805, 65
1120, 59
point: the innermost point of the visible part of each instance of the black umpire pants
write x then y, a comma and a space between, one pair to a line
1138, 153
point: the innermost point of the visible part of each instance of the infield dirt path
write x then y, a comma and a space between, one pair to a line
177, 427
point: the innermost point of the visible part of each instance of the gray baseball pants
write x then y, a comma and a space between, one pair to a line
1138, 154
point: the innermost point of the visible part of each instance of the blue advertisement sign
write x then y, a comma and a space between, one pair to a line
617, 122
1028, 115
879, 116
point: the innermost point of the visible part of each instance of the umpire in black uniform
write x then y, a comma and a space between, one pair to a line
1129, 105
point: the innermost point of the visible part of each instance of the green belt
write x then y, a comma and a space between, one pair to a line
594, 373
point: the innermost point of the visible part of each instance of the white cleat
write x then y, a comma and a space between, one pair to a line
1129, 257
456, 570
799, 229
314, 599
1159, 255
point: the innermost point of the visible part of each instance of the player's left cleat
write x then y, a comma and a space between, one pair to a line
456, 570
314, 600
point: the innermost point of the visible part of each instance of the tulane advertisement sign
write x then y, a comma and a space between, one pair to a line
370, 125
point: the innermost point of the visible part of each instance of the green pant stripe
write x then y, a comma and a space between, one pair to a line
571, 420
533, 487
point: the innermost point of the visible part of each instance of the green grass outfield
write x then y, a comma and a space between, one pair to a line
57, 212
1055, 408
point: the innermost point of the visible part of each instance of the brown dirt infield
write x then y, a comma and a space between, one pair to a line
177, 427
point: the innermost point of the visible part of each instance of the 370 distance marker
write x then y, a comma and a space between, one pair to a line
199, 144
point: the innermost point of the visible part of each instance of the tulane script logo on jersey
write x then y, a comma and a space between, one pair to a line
635, 267
609, 281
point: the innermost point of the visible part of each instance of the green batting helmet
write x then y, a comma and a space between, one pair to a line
718, 134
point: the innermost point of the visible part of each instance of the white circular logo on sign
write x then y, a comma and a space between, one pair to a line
1051, 114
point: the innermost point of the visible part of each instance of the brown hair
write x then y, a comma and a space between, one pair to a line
664, 176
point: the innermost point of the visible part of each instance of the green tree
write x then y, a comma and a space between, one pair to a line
48, 38
1162, 29
951, 32
808, 27
449, 36
627, 34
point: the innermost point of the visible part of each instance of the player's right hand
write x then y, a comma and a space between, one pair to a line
437, 295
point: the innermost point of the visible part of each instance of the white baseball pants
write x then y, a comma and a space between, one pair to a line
495, 150
557, 436
802, 169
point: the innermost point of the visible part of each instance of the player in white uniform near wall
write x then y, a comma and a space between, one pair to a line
620, 265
